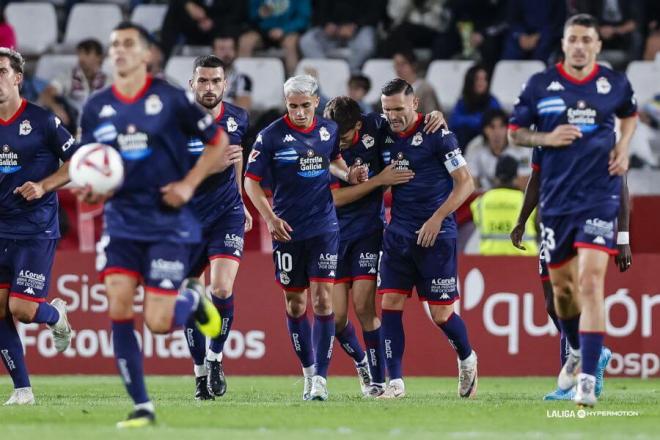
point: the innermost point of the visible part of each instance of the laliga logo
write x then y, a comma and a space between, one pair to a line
638, 318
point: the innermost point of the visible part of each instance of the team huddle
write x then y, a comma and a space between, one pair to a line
180, 210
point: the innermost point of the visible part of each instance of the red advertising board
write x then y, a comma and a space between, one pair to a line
502, 304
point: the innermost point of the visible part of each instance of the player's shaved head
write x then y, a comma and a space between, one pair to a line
584, 20
143, 34
396, 86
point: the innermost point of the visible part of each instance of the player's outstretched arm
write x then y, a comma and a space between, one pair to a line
278, 228
389, 176
561, 136
624, 257
530, 201
36, 190
463, 187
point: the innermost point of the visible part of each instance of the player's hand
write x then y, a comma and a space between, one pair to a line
231, 155
206, 24
357, 174
429, 231
624, 257
86, 195
391, 176
279, 229
563, 135
619, 161
31, 191
248, 220
434, 121
177, 194
517, 236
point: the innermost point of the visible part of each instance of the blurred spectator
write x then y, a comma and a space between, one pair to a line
619, 20
466, 118
197, 21
156, 64
495, 213
32, 87
422, 24
647, 134
358, 87
66, 94
535, 29
7, 34
343, 23
484, 151
239, 85
652, 29
405, 66
483, 24
276, 23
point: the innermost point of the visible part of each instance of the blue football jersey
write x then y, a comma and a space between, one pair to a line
32, 143
218, 194
432, 157
151, 132
298, 162
575, 178
367, 214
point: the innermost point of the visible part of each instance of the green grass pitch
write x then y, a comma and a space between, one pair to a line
87, 407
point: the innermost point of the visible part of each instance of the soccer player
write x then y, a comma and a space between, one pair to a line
419, 245
573, 106
149, 227
623, 260
298, 152
361, 218
219, 205
34, 141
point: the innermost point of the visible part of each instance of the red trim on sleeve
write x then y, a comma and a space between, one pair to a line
225, 256
335, 185
222, 112
253, 177
131, 99
574, 80
413, 128
513, 127
579, 244
215, 140
300, 129
15, 115
158, 291
536, 167
27, 297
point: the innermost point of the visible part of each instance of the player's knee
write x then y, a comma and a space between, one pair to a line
21, 310
221, 290
158, 324
591, 282
296, 306
441, 314
322, 304
393, 301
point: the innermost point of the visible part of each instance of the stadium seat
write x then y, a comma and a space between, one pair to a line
509, 77
93, 20
28, 16
644, 182
446, 77
179, 69
333, 74
644, 77
150, 16
379, 71
50, 66
267, 78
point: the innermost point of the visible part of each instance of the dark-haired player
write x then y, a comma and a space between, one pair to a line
573, 106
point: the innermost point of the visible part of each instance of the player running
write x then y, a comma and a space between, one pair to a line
149, 228
361, 218
573, 106
219, 205
623, 260
419, 245
34, 141
298, 152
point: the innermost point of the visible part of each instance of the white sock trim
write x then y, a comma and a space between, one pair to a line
309, 371
200, 370
212, 356
149, 406
574, 352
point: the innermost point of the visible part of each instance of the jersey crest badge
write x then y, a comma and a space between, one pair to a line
25, 128
153, 105
603, 86
324, 133
368, 141
232, 126
417, 140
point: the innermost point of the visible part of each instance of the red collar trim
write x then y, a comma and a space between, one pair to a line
131, 99
356, 137
574, 80
414, 127
295, 127
15, 115
222, 112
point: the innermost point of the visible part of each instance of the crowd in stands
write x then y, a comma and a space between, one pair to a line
410, 33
